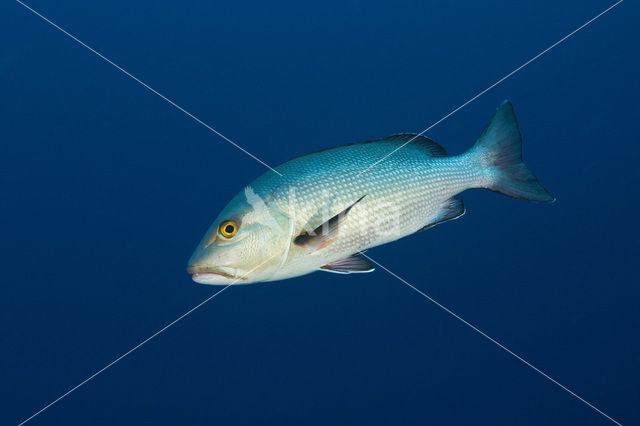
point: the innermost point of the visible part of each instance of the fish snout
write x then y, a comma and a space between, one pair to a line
192, 269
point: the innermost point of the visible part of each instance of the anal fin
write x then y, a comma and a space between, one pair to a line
451, 209
349, 265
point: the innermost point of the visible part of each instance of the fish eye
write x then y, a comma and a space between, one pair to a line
228, 228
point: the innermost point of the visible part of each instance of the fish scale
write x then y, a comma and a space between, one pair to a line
402, 195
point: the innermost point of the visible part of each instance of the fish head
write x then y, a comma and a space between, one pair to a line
245, 244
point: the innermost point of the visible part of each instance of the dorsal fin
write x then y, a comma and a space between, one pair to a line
432, 147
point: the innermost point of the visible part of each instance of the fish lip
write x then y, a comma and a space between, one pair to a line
201, 272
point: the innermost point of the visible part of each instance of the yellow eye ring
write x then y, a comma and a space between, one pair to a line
228, 228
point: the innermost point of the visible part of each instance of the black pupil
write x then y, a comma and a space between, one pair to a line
229, 229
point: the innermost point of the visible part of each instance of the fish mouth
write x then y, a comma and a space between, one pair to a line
210, 275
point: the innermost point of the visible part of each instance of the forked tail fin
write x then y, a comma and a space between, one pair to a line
499, 150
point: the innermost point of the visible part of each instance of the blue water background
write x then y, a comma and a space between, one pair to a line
106, 189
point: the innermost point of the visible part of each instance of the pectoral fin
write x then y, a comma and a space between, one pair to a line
324, 234
349, 265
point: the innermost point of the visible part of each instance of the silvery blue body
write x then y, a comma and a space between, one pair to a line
353, 207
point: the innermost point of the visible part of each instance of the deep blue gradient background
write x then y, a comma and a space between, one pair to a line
106, 189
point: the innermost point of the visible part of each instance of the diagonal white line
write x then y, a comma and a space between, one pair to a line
493, 85
374, 164
494, 341
124, 355
133, 77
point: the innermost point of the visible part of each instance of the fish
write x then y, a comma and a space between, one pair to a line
327, 207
